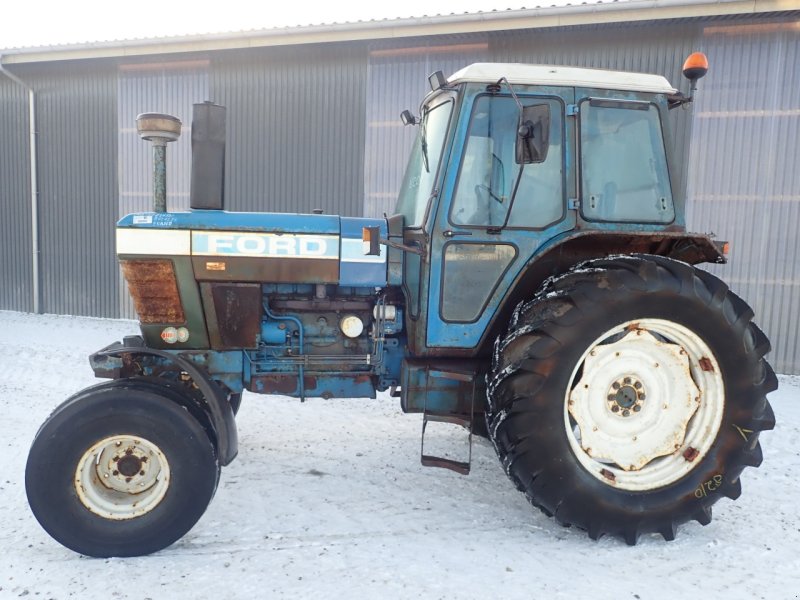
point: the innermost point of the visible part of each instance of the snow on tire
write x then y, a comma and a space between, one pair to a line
629, 394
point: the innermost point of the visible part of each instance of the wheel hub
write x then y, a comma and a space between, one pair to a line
122, 477
626, 396
650, 398
669, 382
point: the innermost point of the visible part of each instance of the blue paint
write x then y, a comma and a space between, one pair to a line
220, 220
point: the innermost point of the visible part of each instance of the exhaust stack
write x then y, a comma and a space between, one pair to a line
208, 157
159, 129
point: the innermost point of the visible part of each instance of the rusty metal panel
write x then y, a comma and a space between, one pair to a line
295, 127
16, 290
233, 312
398, 80
163, 87
744, 180
154, 290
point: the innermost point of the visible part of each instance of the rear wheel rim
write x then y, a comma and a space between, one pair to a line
644, 404
122, 477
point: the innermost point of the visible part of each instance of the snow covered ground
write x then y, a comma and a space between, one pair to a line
327, 499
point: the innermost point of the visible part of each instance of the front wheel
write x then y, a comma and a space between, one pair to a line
120, 469
628, 396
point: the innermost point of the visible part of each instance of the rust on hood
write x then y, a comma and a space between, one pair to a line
154, 290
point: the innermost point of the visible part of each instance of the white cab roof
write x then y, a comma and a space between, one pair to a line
562, 76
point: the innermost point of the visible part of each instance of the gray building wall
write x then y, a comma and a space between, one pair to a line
295, 127
744, 179
77, 158
16, 289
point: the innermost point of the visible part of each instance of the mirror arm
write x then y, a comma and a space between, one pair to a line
676, 100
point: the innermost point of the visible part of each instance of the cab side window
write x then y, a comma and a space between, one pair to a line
489, 176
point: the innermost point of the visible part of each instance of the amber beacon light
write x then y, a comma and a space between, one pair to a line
695, 67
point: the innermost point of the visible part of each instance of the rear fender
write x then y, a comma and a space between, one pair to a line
574, 247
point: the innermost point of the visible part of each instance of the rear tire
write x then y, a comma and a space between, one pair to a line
628, 396
120, 469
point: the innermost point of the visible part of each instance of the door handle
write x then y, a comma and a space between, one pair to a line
450, 233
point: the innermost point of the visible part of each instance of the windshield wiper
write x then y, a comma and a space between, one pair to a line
424, 142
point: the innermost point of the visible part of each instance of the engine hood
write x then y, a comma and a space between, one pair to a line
262, 247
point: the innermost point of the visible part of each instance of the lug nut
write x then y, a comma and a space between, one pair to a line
638, 385
615, 408
637, 407
626, 413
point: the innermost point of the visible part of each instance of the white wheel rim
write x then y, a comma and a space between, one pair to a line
648, 405
122, 477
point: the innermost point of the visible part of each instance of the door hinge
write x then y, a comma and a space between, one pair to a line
572, 110
573, 204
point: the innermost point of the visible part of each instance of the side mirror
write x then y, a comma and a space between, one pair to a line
407, 118
533, 134
437, 80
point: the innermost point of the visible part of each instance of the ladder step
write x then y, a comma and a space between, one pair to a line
445, 463
464, 420
428, 460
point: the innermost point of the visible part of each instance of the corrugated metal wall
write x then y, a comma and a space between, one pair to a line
744, 180
295, 127
162, 87
77, 120
16, 291
398, 81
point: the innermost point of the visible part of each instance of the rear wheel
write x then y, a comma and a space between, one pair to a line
628, 396
120, 469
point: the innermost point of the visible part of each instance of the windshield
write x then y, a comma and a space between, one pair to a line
424, 163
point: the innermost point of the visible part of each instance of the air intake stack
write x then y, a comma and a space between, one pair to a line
159, 129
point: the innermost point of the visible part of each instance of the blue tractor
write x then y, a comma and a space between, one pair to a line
536, 286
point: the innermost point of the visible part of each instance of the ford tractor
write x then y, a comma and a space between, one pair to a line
536, 286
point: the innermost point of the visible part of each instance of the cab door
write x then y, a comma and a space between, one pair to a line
495, 213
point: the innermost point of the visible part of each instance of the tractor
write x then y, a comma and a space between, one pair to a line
536, 286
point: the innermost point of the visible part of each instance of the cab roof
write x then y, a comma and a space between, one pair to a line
521, 74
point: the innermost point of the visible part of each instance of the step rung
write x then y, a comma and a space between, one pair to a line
459, 467
452, 419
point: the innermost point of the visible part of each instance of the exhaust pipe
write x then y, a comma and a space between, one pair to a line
208, 157
159, 129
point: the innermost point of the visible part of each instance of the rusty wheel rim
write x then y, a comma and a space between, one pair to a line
122, 477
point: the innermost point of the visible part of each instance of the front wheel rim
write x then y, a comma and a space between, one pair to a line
644, 405
122, 477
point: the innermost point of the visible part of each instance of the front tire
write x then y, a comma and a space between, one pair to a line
628, 396
120, 469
